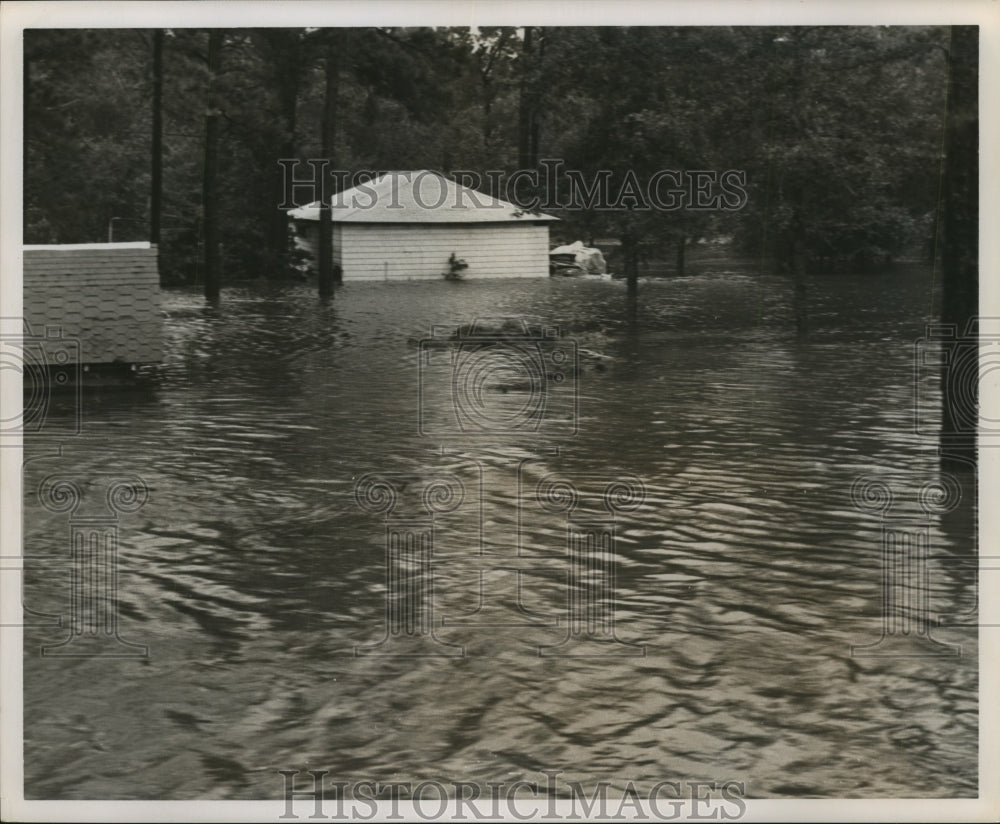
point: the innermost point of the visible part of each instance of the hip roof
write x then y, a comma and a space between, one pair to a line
418, 197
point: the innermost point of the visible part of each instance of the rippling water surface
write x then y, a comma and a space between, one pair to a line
745, 576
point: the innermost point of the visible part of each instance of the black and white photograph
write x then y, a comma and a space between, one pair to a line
480, 411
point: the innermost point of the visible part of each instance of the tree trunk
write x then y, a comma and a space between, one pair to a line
527, 121
156, 173
288, 93
488, 95
210, 194
327, 141
535, 102
797, 198
960, 252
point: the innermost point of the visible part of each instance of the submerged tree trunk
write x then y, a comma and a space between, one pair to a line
960, 252
800, 303
796, 261
630, 263
327, 141
210, 193
288, 93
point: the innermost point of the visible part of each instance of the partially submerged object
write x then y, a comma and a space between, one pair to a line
91, 309
577, 259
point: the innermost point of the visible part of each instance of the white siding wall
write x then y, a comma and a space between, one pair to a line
420, 251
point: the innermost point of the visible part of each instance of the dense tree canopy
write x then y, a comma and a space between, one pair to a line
835, 132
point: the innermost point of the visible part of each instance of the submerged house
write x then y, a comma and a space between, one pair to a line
408, 225
102, 300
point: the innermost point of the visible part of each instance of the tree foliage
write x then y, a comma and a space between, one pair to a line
837, 129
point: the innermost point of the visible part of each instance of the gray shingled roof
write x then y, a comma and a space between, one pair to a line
106, 296
417, 197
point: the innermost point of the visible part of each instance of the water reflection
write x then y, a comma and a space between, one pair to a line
745, 575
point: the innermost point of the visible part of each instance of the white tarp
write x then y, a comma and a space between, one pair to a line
587, 258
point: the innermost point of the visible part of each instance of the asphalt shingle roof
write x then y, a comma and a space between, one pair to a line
105, 297
418, 197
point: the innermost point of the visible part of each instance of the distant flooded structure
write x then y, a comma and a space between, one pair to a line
102, 300
413, 225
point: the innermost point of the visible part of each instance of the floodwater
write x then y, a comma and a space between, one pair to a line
705, 632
